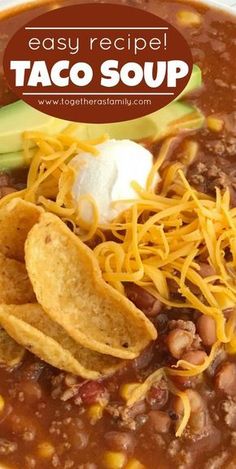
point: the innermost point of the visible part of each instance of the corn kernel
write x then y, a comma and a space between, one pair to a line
114, 460
2, 403
134, 464
46, 449
215, 124
188, 18
126, 390
95, 412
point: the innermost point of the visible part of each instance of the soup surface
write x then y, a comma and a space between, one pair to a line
53, 419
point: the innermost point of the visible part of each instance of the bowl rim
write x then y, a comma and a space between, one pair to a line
225, 5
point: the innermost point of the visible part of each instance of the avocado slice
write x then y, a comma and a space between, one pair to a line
195, 82
14, 160
179, 114
18, 117
152, 126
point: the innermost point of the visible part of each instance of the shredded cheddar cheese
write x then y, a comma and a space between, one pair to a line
139, 391
186, 409
158, 240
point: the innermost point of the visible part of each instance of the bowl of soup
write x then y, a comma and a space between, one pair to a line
118, 268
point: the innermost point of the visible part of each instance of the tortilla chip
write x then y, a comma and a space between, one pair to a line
15, 286
31, 327
68, 283
11, 353
16, 220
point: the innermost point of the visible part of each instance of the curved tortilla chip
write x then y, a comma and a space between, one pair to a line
68, 283
11, 353
15, 286
16, 220
31, 327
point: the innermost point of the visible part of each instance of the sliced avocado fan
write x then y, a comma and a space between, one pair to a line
19, 117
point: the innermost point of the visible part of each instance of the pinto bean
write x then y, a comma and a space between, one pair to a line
150, 306
198, 421
198, 417
207, 330
195, 400
225, 379
160, 421
178, 341
177, 405
120, 441
196, 357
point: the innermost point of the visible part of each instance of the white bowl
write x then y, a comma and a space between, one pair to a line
227, 5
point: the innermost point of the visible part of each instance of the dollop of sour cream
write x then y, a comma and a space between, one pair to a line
107, 177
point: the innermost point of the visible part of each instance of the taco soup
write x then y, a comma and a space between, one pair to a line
118, 271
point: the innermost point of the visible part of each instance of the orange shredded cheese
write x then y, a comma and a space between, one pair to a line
159, 239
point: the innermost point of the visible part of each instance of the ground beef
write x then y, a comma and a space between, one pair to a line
206, 176
181, 324
6, 184
223, 147
229, 407
174, 448
5, 179
215, 166
217, 462
210, 176
128, 418
7, 447
188, 326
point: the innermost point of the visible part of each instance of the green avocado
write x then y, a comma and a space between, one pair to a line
13, 160
18, 117
152, 126
195, 82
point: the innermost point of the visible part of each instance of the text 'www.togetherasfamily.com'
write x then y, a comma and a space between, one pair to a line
82, 101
